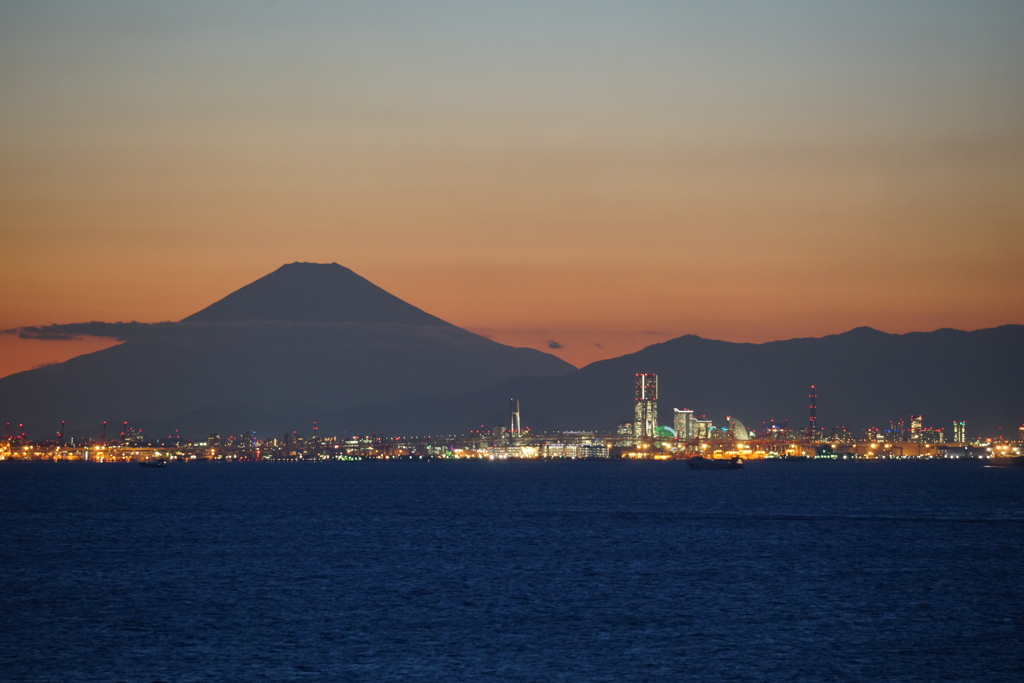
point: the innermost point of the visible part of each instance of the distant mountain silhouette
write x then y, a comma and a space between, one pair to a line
318, 342
306, 338
314, 292
864, 378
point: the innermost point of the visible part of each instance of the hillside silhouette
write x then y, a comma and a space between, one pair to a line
318, 342
864, 378
305, 338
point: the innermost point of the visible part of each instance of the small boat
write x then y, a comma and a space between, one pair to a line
157, 462
701, 463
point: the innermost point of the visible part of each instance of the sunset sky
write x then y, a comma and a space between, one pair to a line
600, 175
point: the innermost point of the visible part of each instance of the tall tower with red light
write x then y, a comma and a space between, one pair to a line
812, 428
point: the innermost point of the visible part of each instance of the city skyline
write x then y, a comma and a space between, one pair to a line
690, 438
584, 181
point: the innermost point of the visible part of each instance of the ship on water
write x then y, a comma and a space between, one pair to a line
1004, 455
1006, 461
154, 462
701, 463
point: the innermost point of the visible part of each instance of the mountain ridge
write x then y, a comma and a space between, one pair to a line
319, 342
859, 385
306, 337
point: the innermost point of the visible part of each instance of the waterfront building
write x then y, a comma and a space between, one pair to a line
960, 431
916, 427
685, 424
775, 431
736, 430
840, 434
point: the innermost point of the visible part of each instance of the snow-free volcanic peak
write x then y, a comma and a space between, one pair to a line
314, 292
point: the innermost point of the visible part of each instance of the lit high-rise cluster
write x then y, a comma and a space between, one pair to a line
684, 423
689, 427
959, 431
916, 425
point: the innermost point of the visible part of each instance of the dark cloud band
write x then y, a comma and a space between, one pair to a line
69, 331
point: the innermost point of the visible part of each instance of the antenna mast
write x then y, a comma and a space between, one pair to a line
813, 413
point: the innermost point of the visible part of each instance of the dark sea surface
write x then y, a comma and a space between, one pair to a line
511, 571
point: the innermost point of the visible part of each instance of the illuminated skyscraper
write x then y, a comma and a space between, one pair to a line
959, 431
685, 424
515, 426
646, 409
916, 423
